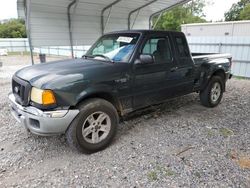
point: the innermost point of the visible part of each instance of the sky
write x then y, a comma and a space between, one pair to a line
216, 10
8, 9
213, 12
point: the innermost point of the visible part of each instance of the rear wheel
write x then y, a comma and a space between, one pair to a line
211, 96
94, 127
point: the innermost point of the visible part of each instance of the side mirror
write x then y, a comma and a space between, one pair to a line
146, 59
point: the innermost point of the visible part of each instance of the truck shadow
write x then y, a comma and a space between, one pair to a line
181, 107
170, 106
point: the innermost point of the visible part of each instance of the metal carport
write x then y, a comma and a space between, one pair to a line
81, 22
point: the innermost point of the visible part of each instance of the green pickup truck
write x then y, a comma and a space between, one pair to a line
122, 72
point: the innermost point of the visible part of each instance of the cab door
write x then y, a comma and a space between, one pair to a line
184, 65
153, 81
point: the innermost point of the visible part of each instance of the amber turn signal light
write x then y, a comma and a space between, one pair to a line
48, 97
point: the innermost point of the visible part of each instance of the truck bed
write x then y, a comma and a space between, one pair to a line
200, 57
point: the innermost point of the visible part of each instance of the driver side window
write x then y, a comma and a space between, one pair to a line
159, 48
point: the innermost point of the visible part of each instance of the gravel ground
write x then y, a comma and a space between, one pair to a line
15, 62
177, 144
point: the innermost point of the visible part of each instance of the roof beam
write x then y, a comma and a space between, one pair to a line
70, 26
26, 5
137, 9
158, 19
165, 9
102, 14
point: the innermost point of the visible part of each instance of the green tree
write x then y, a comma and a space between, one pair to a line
195, 7
245, 13
14, 28
234, 12
189, 13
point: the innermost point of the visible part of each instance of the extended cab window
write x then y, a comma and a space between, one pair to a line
182, 47
159, 48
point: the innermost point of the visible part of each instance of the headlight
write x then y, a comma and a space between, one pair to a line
44, 97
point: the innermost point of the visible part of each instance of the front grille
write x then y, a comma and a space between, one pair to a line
21, 90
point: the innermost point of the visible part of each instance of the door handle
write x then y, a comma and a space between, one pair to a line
174, 69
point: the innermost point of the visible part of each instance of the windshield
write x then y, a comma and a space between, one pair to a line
114, 47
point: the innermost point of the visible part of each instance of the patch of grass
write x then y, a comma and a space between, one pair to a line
159, 168
152, 176
18, 53
197, 174
160, 172
165, 171
226, 132
240, 78
210, 133
169, 172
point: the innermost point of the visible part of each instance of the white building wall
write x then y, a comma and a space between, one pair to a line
222, 37
239, 28
239, 47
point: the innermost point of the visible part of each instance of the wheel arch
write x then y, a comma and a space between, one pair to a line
217, 72
103, 95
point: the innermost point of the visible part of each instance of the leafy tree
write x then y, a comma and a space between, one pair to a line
234, 13
14, 28
195, 7
245, 13
189, 13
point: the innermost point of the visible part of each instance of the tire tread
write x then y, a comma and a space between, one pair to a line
205, 94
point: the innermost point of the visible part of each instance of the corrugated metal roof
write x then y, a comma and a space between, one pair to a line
48, 19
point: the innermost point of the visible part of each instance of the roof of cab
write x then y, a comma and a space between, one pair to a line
143, 31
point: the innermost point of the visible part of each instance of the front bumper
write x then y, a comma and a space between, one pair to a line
44, 123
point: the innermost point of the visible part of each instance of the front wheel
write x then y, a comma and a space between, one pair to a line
94, 127
211, 96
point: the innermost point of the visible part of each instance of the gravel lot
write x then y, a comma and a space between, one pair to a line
177, 144
15, 62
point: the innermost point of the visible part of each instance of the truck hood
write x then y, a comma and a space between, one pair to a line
55, 74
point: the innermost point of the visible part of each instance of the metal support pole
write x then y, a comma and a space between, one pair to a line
138, 9
158, 19
25, 47
110, 10
220, 46
70, 27
165, 9
27, 20
138, 12
102, 15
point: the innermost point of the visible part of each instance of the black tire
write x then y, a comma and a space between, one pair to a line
205, 95
74, 133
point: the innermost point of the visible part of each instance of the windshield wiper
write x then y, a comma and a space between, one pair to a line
98, 55
87, 56
104, 57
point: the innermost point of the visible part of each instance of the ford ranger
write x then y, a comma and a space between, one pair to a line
122, 72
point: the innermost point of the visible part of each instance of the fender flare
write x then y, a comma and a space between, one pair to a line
208, 75
101, 91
